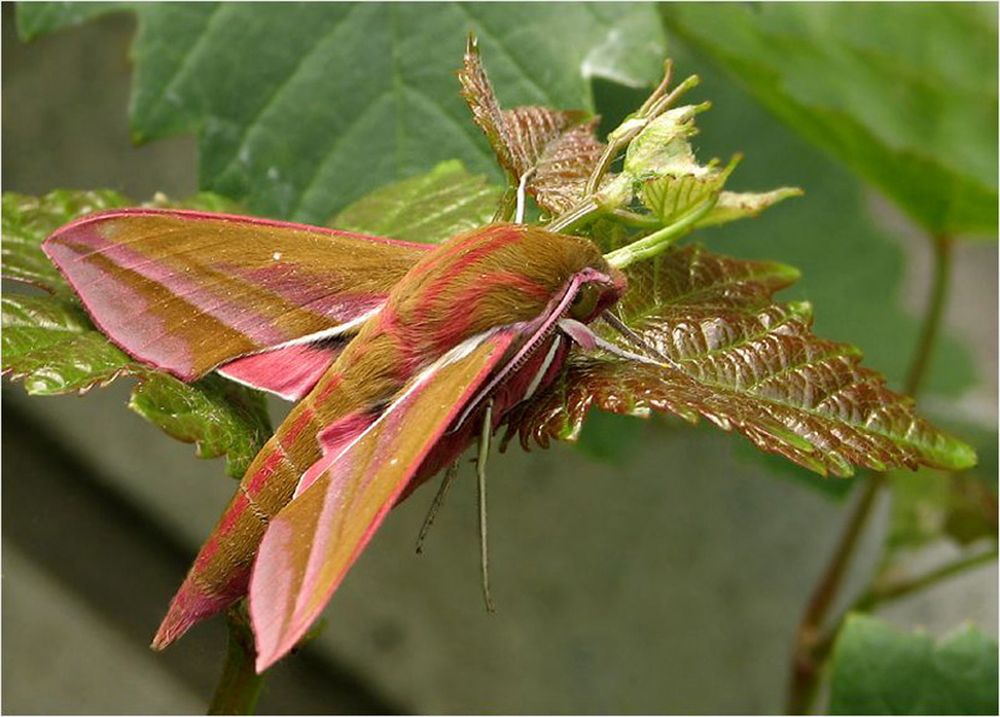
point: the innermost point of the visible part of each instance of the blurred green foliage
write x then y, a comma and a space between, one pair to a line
905, 95
880, 670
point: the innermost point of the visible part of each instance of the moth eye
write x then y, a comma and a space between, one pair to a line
584, 302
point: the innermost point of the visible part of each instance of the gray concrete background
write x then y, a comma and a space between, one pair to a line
670, 583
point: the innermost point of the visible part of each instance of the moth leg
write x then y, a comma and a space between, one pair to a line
449, 478
484, 449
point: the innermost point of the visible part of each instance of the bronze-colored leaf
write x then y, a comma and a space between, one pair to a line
557, 147
562, 171
746, 364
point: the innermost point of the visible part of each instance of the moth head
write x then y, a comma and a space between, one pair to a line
599, 292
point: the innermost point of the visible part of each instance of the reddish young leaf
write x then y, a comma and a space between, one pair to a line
561, 173
557, 147
746, 365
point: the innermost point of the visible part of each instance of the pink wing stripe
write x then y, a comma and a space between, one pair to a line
289, 372
333, 440
120, 305
378, 460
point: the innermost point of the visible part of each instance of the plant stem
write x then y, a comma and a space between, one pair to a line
893, 591
632, 219
805, 666
578, 214
932, 316
240, 685
812, 643
875, 596
651, 245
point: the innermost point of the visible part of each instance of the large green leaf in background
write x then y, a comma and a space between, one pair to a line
904, 94
301, 108
41, 18
879, 670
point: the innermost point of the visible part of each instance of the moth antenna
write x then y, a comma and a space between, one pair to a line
449, 478
484, 449
522, 190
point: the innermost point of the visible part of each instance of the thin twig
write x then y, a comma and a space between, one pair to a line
901, 588
932, 316
898, 589
805, 668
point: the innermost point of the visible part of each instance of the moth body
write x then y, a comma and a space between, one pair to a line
505, 277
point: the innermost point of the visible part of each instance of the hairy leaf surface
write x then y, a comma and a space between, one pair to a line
880, 670
743, 205
220, 417
51, 345
748, 365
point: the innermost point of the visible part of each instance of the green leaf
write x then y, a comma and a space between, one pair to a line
328, 101
202, 201
880, 670
744, 205
905, 95
660, 168
50, 343
41, 18
28, 220
218, 416
746, 364
609, 437
427, 208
